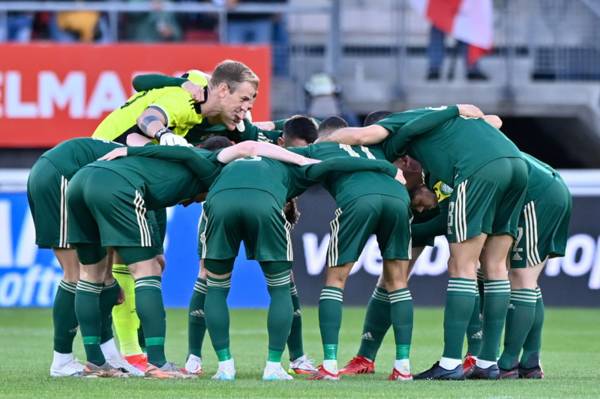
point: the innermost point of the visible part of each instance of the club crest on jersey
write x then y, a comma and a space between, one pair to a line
442, 190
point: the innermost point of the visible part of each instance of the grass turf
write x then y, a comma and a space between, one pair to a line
571, 355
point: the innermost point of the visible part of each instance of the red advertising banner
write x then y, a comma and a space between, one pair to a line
52, 92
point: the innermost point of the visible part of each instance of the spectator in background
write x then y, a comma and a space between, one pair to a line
18, 27
436, 51
154, 26
78, 26
261, 28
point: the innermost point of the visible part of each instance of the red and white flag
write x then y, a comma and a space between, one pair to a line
470, 21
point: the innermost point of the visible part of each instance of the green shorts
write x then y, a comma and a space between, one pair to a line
543, 227
46, 193
248, 215
385, 216
115, 217
160, 216
489, 201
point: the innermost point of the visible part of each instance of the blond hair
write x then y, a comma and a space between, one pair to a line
233, 73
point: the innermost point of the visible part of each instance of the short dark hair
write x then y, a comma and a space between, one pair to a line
331, 124
215, 143
375, 117
300, 127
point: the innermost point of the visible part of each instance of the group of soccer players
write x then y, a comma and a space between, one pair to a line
405, 177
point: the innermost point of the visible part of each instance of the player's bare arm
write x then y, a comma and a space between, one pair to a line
255, 148
493, 120
195, 91
114, 154
469, 111
152, 122
367, 135
136, 140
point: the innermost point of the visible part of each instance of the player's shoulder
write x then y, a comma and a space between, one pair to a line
176, 95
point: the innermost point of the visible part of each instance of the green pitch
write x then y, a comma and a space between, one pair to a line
571, 361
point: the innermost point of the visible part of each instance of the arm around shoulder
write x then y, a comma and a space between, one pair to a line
367, 135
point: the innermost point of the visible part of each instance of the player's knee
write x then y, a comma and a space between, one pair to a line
336, 276
525, 278
462, 268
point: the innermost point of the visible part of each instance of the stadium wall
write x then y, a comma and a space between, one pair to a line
29, 276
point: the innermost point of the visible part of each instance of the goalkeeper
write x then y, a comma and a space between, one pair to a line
167, 115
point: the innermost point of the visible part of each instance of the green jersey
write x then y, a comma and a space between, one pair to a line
540, 177
71, 155
451, 147
166, 175
205, 130
346, 187
284, 181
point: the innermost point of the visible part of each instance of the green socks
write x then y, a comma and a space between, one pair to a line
377, 322
460, 300
294, 342
495, 306
87, 308
330, 319
279, 319
519, 319
474, 329
533, 342
108, 299
216, 313
401, 304
196, 322
151, 311
63, 317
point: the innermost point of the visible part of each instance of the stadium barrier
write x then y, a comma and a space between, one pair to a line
29, 276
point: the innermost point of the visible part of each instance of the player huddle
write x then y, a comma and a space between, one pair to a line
405, 177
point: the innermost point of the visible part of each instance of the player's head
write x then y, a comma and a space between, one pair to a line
235, 86
298, 131
422, 199
375, 116
412, 171
215, 143
330, 125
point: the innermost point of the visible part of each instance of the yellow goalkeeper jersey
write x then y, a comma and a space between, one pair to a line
178, 106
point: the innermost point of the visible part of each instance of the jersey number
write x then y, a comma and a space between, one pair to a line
352, 153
